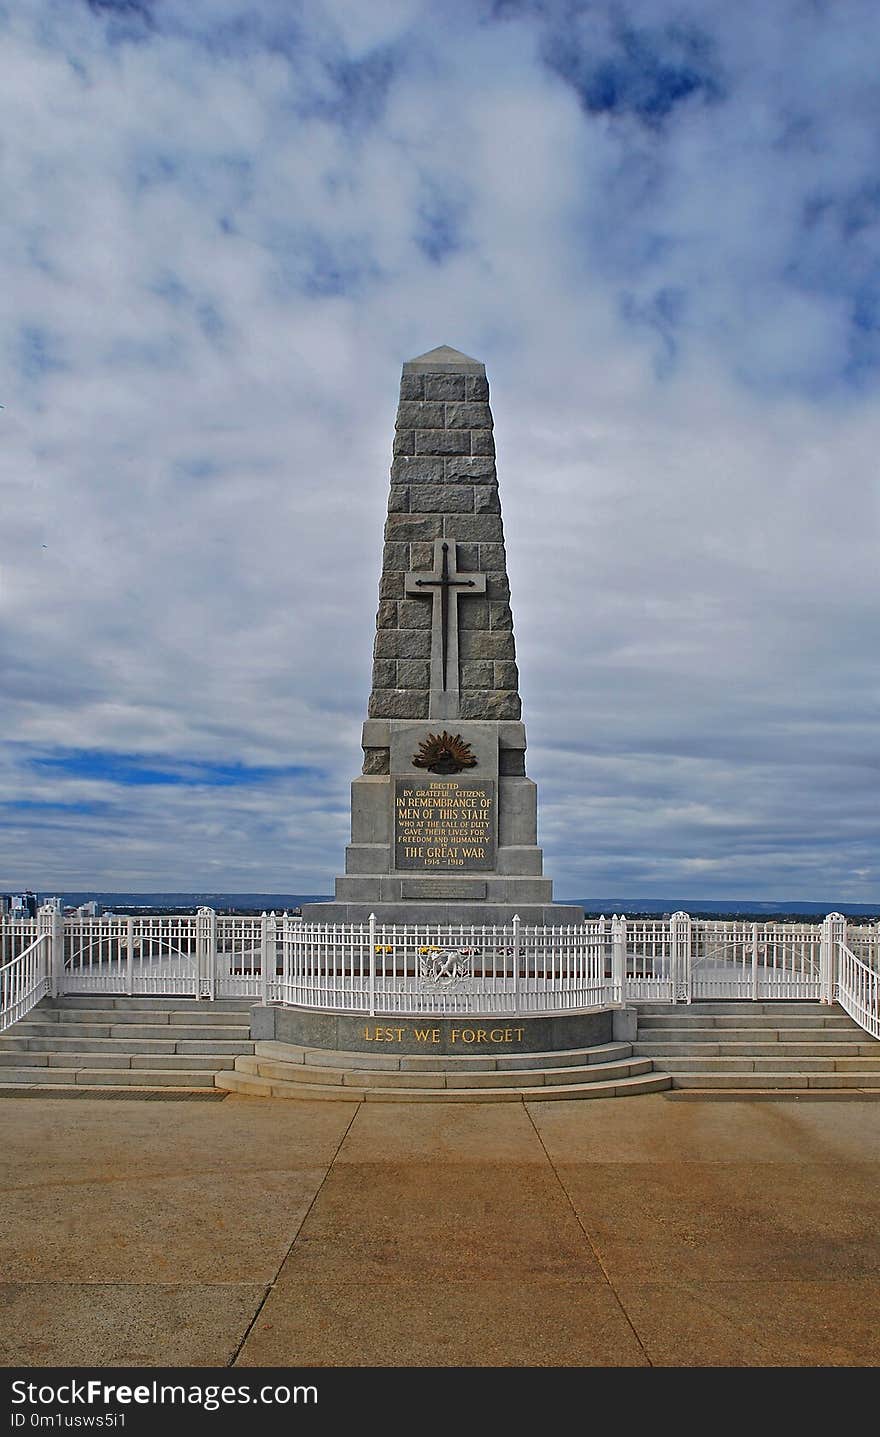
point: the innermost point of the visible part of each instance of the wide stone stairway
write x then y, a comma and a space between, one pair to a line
282, 1070
96, 1045
752, 1050
113, 1046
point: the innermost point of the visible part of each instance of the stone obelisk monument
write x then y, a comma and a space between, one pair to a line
443, 817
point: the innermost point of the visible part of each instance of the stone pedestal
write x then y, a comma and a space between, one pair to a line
444, 848
444, 818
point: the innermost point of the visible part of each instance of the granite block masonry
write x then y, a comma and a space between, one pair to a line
443, 816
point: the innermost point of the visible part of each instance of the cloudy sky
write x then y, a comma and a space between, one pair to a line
227, 224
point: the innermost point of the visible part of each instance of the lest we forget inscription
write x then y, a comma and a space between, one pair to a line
444, 825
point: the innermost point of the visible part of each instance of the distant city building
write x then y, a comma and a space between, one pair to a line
21, 905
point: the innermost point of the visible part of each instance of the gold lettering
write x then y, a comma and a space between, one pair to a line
444, 826
427, 1035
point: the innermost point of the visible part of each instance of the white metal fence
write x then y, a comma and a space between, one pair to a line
131, 955
440, 969
680, 959
16, 934
857, 990
24, 980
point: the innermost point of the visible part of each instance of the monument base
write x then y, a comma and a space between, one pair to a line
539, 914
496, 1036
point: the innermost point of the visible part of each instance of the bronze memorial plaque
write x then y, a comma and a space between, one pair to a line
444, 825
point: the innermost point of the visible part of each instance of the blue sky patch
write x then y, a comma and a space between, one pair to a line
438, 231
650, 73
38, 805
360, 89
140, 771
39, 352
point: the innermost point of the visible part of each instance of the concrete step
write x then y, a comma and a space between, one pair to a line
145, 1048
731, 1048
800, 1080
330, 1058
750, 1022
179, 1003
97, 1046
263, 1067
865, 1048
179, 1062
750, 1035
193, 1063
129, 1092
740, 1005
10, 1043
773, 1095
99, 1077
214, 1046
32, 1060
253, 1086
751, 1064
160, 1031
602, 1053
194, 1017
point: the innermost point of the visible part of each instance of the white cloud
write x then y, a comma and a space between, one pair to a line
231, 226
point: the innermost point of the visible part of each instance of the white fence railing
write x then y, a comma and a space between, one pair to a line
440, 969
202, 955
757, 961
858, 990
24, 980
16, 934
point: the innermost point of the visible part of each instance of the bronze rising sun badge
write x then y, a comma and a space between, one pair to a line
443, 753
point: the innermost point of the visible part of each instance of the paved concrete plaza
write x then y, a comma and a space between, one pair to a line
255, 1232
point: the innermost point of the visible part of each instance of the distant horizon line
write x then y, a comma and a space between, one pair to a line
610, 904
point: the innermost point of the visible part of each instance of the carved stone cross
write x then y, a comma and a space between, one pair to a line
447, 586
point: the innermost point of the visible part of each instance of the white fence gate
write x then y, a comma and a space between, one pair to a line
683, 960
200, 955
